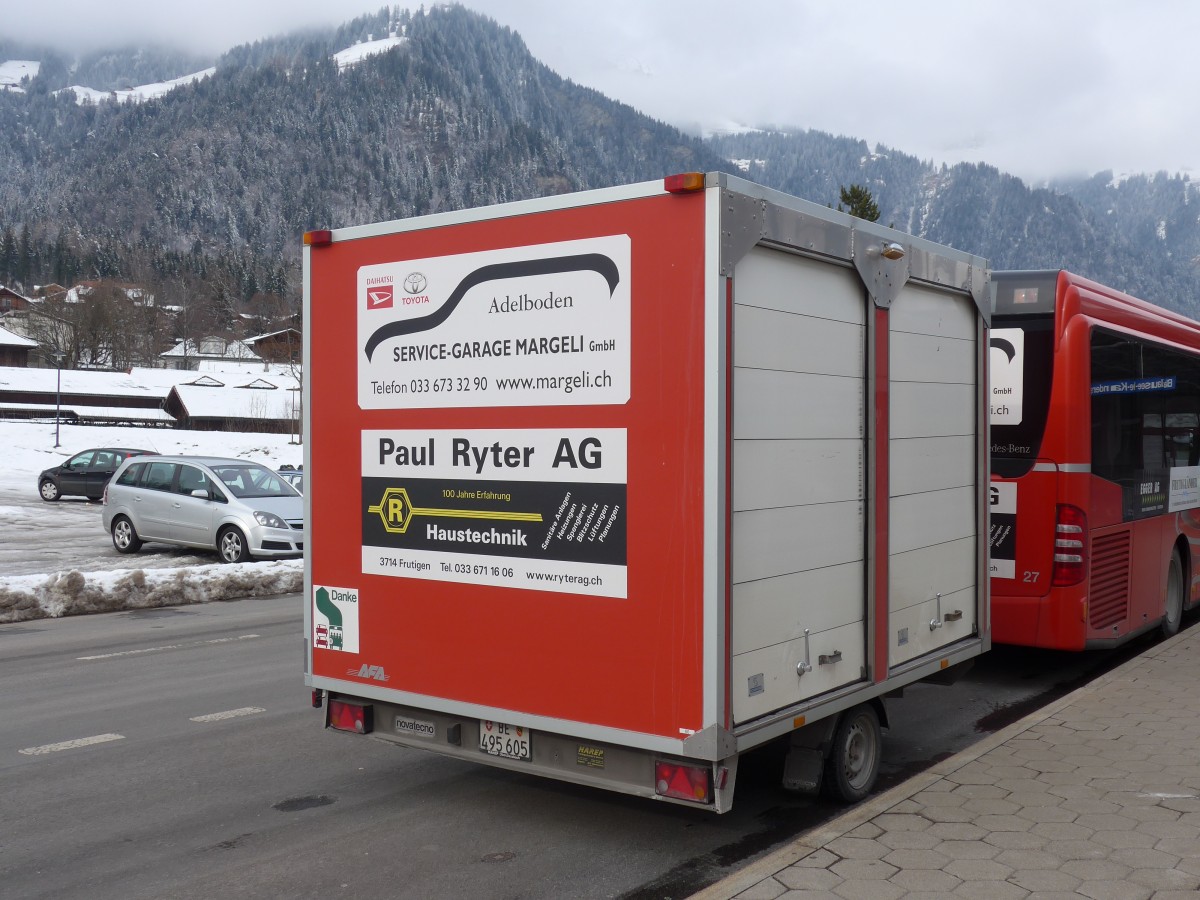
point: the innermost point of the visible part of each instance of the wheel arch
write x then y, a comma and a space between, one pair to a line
1183, 547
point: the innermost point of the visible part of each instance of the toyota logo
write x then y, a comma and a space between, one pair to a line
414, 283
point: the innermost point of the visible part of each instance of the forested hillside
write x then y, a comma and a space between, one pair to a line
202, 195
1141, 234
211, 187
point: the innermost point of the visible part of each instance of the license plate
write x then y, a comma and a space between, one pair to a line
509, 741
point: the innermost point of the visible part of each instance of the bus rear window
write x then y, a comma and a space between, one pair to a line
1021, 368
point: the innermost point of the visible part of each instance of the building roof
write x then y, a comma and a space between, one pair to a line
257, 399
211, 348
10, 339
272, 334
10, 292
82, 291
134, 383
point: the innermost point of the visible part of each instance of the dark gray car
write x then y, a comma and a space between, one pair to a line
240, 509
84, 474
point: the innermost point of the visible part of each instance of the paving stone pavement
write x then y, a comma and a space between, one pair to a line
1095, 795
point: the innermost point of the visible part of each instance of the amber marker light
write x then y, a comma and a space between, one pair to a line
684, 183
320, 238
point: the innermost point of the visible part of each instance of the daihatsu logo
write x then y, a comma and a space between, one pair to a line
379, 292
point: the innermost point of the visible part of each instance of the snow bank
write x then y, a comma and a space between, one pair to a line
71, 593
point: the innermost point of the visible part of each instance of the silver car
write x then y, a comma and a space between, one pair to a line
293, 476
240, 509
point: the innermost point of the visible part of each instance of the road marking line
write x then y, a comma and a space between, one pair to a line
71, 745
228, 714
240, 637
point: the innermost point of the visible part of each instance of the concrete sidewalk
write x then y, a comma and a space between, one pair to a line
1096, 795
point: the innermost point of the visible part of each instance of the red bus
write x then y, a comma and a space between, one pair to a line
1095, 440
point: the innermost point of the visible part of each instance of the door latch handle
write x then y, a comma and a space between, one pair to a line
804, 665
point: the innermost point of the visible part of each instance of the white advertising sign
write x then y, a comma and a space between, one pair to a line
1002, 541
335, 618
1184, 492
541, 325
533, 509
1006, 365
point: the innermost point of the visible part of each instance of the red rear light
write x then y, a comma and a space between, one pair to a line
321, 237
683, 782
344, 715
1070, 546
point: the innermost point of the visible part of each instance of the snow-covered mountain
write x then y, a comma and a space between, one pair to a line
203, 187
13, 74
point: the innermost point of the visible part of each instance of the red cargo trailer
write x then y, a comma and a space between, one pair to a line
614, 486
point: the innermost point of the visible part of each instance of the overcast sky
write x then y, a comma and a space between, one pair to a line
1035, 87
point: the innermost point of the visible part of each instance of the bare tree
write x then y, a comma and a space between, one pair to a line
195, 321
48, 325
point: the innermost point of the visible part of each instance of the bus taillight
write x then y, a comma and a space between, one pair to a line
1070, 546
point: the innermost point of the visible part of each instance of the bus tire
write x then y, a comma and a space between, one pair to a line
1173, 601
853, 762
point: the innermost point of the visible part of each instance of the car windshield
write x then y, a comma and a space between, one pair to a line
253, 481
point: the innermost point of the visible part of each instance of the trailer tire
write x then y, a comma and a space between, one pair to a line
1173, 601
853, 762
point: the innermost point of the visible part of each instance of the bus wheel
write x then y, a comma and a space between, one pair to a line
853, 762
1173, 604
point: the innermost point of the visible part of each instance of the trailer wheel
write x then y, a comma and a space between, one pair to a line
853, 762
1173, 604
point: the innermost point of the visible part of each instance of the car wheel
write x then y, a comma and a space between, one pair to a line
125, 537
49, 490
232, 546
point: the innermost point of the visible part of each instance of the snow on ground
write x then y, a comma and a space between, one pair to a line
57, 560
356, 54
12, 71
137, 94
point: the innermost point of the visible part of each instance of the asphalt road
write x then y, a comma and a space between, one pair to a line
174, 753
